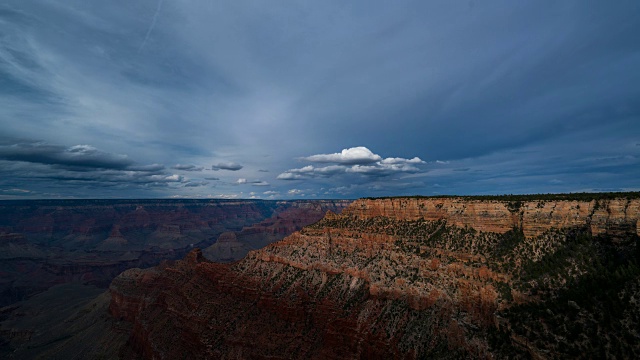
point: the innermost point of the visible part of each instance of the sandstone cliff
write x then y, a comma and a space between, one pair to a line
405, 278
608, 216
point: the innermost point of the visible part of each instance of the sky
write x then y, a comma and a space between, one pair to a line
317, 99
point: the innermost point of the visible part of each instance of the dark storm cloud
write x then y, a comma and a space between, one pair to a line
231, 166
529, 96
148, 168
187, 167
196, 183
39, 166
78, 155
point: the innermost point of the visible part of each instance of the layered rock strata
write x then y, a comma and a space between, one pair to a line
288, 217
49, 242
402, 278
610, 216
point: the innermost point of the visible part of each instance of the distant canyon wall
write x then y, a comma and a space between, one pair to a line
49, 242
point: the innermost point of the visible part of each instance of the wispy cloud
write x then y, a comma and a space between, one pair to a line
151, 26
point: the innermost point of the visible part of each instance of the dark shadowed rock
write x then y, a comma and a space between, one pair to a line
402, 278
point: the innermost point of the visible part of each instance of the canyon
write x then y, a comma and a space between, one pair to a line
535, 276
46, 244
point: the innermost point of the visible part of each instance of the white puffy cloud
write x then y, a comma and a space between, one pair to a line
391, 161
306, 169
358, 160
350, 156
288, 175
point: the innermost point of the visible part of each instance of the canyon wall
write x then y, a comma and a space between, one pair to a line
288, 217
603, 216
46, 242
403, 278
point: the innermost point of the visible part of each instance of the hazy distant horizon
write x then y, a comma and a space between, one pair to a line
505, 197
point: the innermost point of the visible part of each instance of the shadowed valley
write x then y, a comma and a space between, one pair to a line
76, 247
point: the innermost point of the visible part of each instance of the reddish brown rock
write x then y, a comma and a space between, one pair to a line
92, 241
226, 249
382, 280
534, 217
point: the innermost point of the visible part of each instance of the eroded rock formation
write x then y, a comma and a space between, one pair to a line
47, 243
226, 249
609, 216
405, 278
288, 217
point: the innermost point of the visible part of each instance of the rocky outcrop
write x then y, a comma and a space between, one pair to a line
403, 278
226, 249
115, 241
610, 216
288, 217
16, 246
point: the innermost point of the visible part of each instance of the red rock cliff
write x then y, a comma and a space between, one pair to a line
388, 278
534, 217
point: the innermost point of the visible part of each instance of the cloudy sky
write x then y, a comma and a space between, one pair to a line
317, 99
